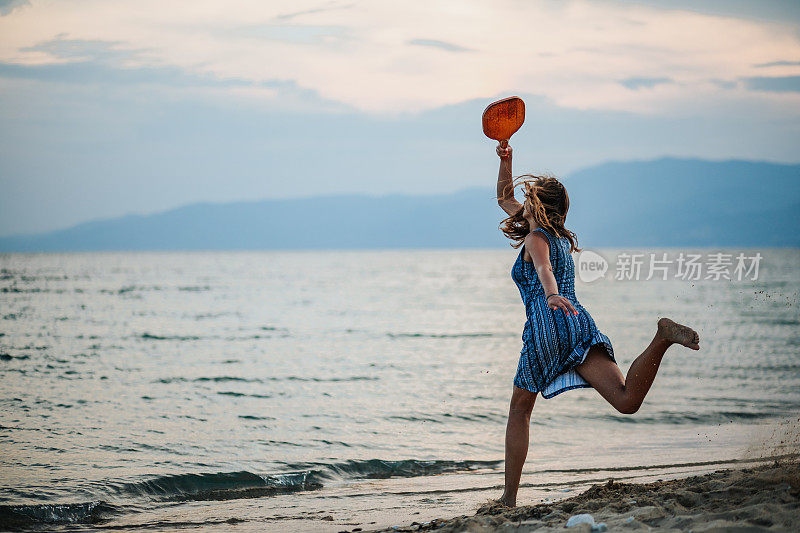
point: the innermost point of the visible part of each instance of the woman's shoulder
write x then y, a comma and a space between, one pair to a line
540, 233
548, 235
537, 238
555, 243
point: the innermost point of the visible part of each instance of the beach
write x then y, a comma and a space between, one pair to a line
204, 389
337, 267
763, 498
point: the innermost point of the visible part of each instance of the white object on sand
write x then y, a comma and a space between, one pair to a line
580, 519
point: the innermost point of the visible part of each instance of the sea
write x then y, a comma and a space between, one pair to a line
335, 390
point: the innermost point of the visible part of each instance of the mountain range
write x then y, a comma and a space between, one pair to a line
665, 202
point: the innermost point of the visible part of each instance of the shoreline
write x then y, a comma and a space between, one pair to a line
761, 498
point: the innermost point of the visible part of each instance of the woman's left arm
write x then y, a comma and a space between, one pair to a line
539, 249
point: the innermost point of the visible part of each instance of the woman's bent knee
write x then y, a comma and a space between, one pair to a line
628, 407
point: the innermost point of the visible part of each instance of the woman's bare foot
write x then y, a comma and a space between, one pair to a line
494, 506
673, 332
506, 502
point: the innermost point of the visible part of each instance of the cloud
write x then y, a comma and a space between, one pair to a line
7, 6
772, 10
442, 45
779, 84
331, 6
91, 72
724, 84
377, 56
84, 50
293, 34
107, 63
284, 94
778, 64
635, 84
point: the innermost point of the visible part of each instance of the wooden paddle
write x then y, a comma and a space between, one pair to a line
503, 118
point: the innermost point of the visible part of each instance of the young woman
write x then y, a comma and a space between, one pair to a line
562, 347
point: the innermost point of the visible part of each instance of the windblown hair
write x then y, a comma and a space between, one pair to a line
548, 201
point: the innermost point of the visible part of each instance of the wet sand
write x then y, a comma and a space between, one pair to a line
763, 498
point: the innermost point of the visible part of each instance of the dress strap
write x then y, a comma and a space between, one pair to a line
555, 256
547, 236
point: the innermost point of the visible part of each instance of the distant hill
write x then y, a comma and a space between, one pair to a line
666, 202
680, 202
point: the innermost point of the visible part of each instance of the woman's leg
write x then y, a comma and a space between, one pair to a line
517, 435
626, 394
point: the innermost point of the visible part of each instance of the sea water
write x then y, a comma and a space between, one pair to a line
327, 390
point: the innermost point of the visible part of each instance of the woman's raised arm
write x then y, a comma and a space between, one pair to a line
505, 182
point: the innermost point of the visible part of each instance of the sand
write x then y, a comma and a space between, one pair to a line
763, 498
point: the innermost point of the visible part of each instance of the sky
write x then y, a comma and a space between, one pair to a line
110, 107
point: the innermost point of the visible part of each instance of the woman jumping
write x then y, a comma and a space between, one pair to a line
562, 347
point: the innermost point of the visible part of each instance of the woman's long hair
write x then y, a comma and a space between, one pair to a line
548, 201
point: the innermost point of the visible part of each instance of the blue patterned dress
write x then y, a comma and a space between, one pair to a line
554, 343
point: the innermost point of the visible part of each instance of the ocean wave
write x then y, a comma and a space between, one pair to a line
445, 418
125, 289
717, 417
214, 379
244, 395
219, 486
132, 288
446, 335
320, 380
304, 476
9, 357
17, 516
223, 379
299, 477
152, 337
18, 290
382, 469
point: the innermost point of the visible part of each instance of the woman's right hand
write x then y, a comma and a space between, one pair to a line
557, 301
504, 153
